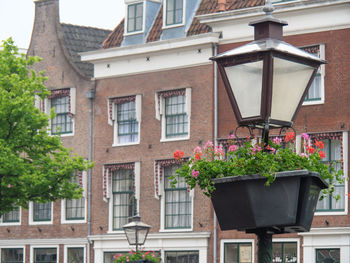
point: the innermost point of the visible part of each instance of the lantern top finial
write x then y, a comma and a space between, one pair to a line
268, 8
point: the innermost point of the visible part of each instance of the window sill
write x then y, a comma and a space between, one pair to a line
330, 213
313, 102
10, 224
34, 223
173, 230
133, 33
115, 232
125, 144
172, 26
175, 139
64, 222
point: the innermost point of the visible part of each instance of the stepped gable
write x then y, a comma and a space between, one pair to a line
81, 39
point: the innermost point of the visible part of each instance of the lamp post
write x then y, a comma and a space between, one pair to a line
266, 81
136, 232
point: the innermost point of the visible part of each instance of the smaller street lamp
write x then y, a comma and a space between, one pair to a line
136, 232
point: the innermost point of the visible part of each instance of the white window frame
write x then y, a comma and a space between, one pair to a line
114, 122
289, 240
235, 241
322, 71
44, 246
346, 182
133, 2
160, 115
66, 247
165, 26
31, 215
162, 209
9, 247
12, 223
63, 205
137, 171
47, 108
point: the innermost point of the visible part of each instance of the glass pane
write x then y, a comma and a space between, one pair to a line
246, 85
75, 255
328, 255
11, 255
314, 92
290, 252
45, 255
41, 212
237, 253
182, 257
283, 87
11, 217
108, 257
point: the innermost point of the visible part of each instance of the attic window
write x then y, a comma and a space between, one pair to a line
174, 12
135, 17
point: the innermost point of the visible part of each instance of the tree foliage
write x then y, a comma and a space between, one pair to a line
34, 166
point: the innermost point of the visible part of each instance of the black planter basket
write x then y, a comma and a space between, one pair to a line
245, 203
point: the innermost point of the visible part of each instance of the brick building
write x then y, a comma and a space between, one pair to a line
157, 92
57, 231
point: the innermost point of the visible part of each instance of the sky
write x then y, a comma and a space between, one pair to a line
17, 16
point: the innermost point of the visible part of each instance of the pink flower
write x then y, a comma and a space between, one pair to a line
256, 148
195, 173
9, 186
219, 151
277, 140
270, 148
231, 136
304, 155
232, 148
208, 144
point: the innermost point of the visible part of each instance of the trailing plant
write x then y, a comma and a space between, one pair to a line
139, 256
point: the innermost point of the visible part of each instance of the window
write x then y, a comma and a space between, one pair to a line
328, 255
45, 255
284, 252
108, 257
135, 17
333, 151
41, 212
75, 208
174, 112
75, 255
63, 103
181, 257
125, 112
12, 255
178, 203
238, 253
124, 202
11, 217
315, 94
174, 12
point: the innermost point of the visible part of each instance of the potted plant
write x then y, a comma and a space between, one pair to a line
255, 186
137, 256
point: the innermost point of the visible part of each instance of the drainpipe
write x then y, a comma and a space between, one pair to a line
90, 95
215, 46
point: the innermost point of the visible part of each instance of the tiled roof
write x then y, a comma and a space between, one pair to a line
81, 39
116, 37
206, 7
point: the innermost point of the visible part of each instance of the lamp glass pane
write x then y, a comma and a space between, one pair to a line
246, 84
289, 83
131, 235
142, 236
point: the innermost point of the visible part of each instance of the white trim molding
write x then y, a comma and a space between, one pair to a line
66, 247
222, 247
326, 238
183, 241
31, 215
32, 260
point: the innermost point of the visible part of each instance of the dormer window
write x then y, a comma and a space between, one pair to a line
174, 11
135, 17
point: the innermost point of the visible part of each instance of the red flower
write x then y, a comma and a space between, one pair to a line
319, 144
290, 136
322, 155
178, 154
310, 149
198, 155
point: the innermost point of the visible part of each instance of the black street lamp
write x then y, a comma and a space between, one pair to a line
136, 232
267, 80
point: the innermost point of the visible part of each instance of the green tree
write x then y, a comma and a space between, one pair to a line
34, 166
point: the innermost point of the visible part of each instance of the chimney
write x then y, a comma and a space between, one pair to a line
221, 5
